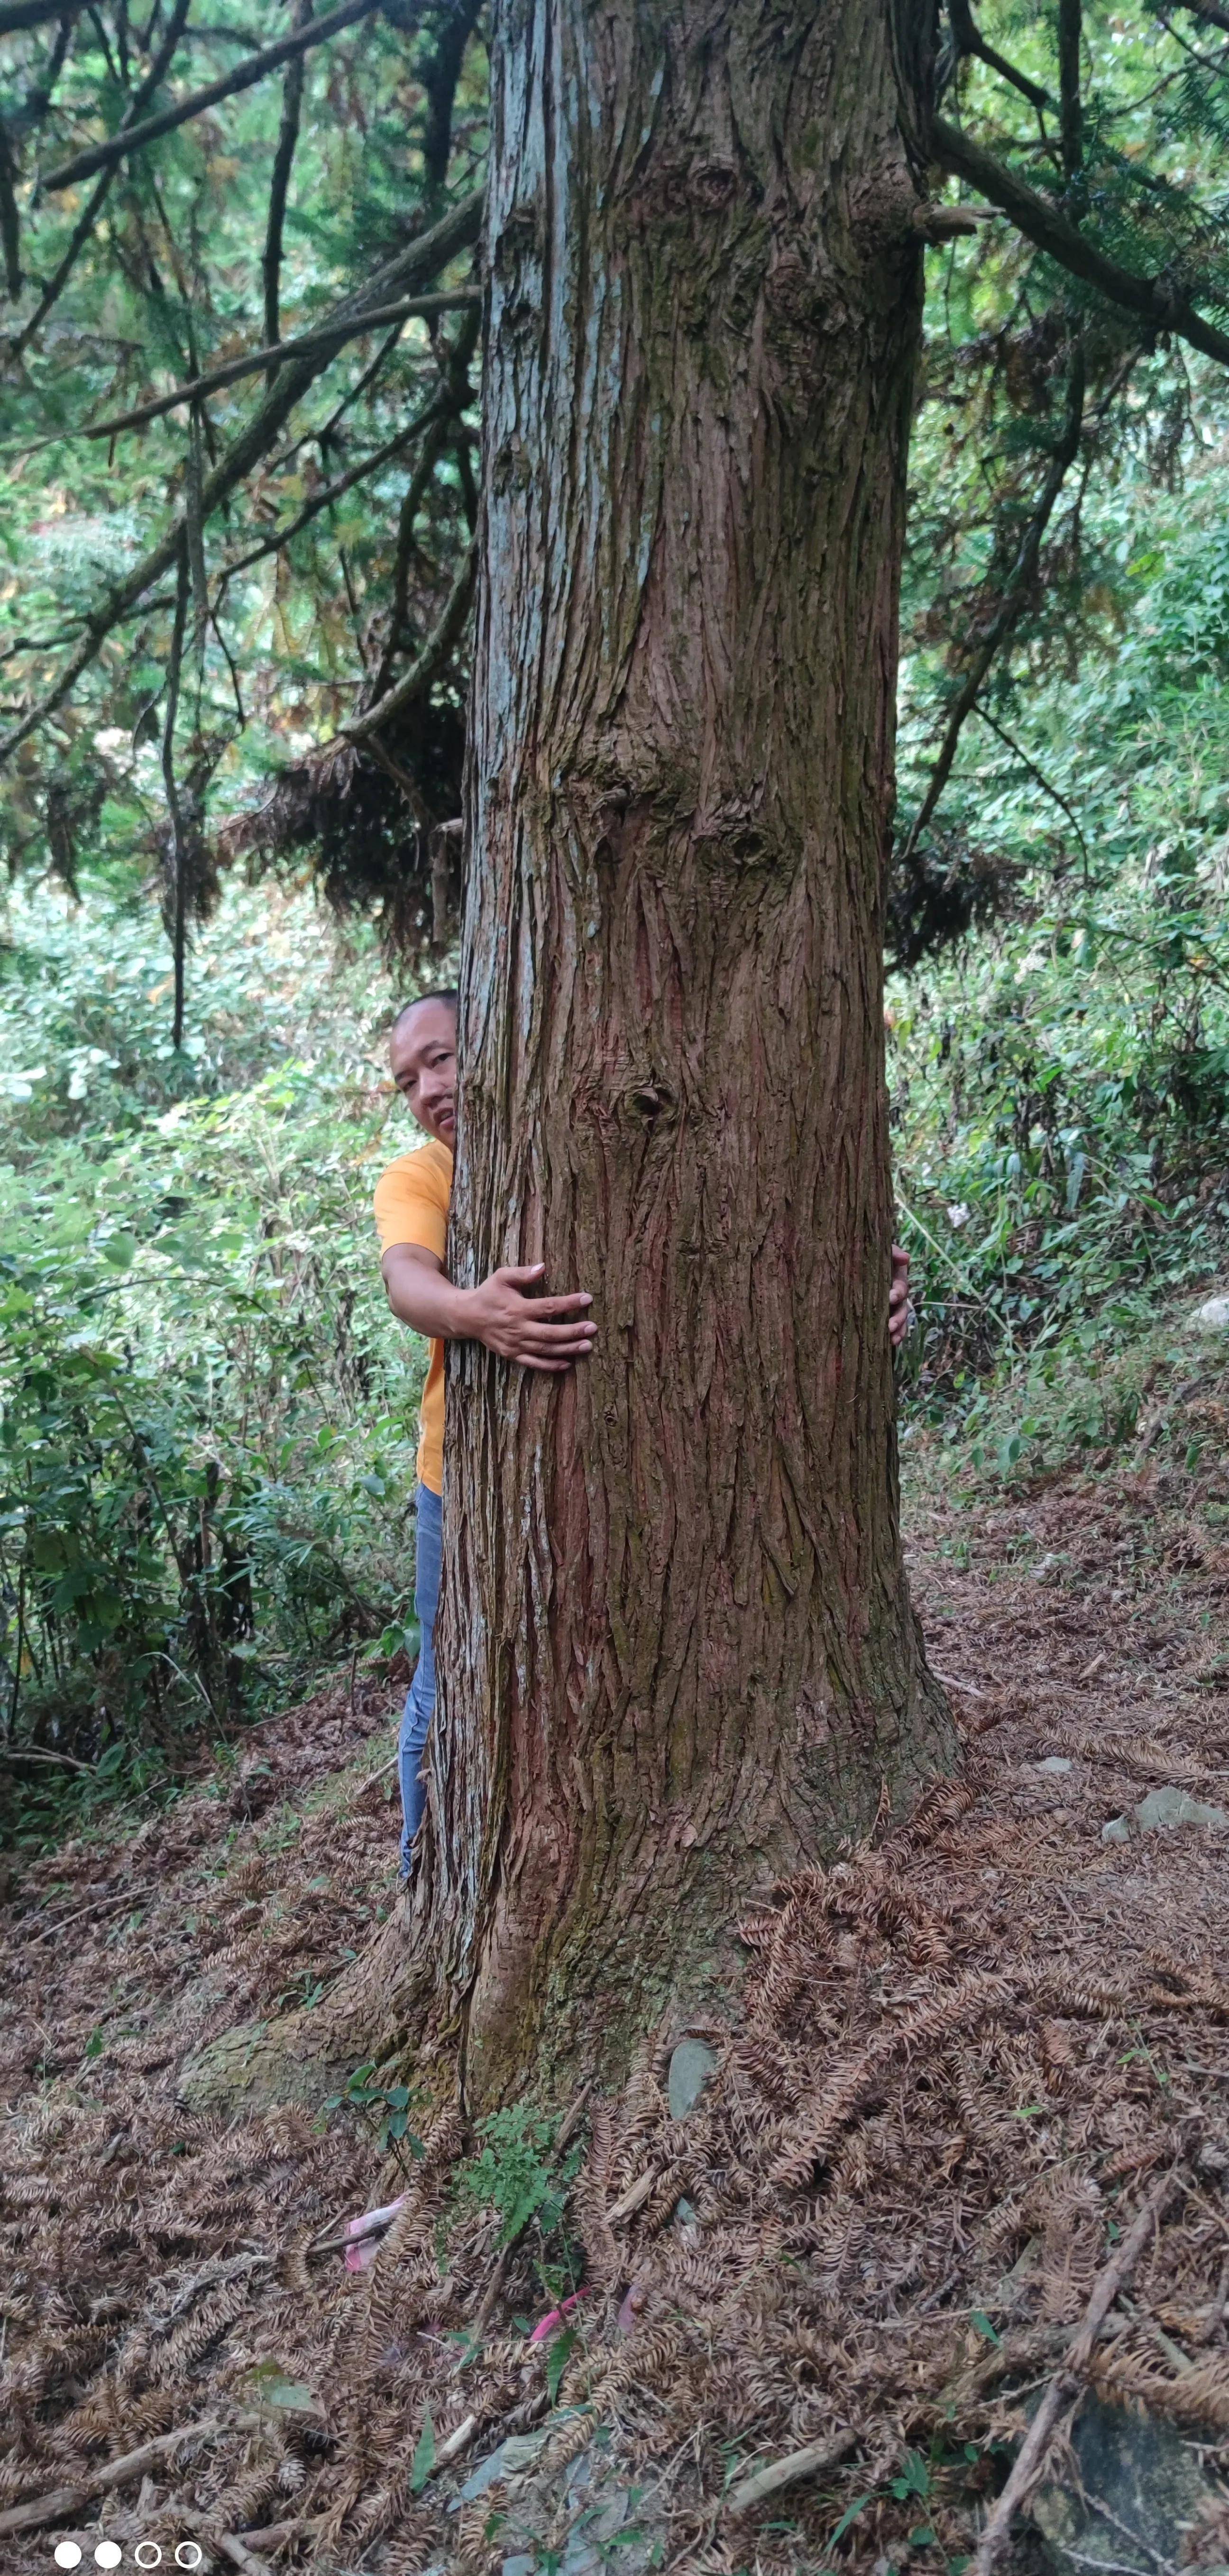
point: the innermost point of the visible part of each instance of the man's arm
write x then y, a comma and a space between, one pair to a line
546, 1333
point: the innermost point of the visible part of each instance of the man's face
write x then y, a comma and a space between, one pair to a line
423, 1056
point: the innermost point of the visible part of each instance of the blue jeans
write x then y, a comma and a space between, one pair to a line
419, 1707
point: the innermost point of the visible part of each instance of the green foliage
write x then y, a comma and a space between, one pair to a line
207, 1415
147, 285
515, 2173
384, 2107
558, 2355
1060, 1081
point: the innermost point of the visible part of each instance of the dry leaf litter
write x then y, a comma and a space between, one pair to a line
967, 2052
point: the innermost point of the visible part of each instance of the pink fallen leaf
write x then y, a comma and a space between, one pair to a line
550, 2324
364, 2232
374, 2221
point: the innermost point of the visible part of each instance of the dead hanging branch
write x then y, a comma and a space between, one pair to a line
103, 156
329, 338
1015, 593
279, 185
422, 259
84, 226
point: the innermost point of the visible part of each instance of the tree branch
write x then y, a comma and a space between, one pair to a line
1070, 105
283, 163
1211, 12
439, 81
420, 260
89, 215
20, 14
1012, 602
407, 518
37, 101
100, 156
425, 666
458, 395
273, 544
970, 40
10, 229
1046, 785
179, 899
330, 337
1163, 307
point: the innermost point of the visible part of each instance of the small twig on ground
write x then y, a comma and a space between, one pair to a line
231, 2547
1066, 2384
936, 2296
1104, 2566
103, 1906
457, 2441
633, 2199
786, 2473
1172, 2351
380, 1774
1097, 2505
275, 2534
230, 2269
61, 2501
571, 2120
35, 1753
491, 2293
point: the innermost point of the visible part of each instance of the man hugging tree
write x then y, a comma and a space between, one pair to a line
508, 1312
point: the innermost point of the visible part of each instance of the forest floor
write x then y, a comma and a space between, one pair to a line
966, 2059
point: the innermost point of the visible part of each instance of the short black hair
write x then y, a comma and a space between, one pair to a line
443, 993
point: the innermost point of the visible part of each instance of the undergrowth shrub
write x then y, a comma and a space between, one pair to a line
207, 1415
1060, 1078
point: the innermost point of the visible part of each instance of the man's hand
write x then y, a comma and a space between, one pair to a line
546, 1333
900, 1312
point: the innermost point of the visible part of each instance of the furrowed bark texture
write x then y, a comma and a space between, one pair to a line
677, 1656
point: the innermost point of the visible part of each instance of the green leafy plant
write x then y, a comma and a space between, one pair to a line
385, 2108
207, 1416
514, 2173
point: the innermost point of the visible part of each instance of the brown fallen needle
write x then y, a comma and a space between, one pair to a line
62, 2501
104, 1905
1066, 2385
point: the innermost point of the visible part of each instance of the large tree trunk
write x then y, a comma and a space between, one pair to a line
677, 1654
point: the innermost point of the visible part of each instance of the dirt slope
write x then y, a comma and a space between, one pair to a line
966, 2057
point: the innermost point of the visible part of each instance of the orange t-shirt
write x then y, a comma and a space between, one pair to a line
412, 1207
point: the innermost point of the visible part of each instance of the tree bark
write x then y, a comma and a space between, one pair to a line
676, 1650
